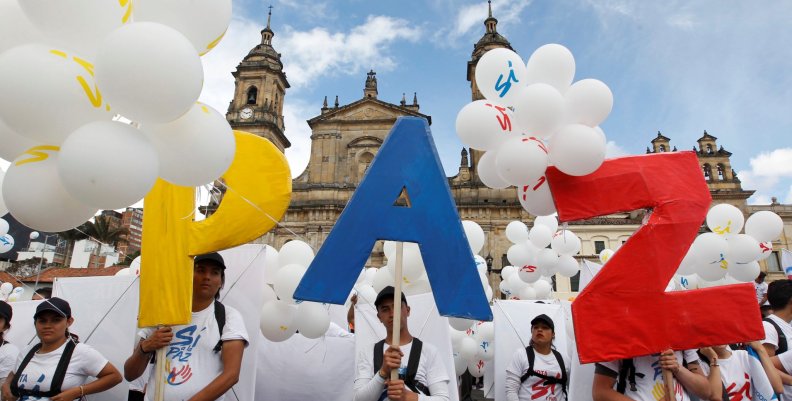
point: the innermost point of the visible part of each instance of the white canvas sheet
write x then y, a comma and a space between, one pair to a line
513, 332
582, 378
424, 322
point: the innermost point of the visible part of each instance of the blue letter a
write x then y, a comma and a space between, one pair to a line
407, 159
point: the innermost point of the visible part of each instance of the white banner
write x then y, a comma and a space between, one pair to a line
513, 334
581, 376
424, 322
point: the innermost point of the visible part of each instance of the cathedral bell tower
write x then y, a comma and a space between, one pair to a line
260, 87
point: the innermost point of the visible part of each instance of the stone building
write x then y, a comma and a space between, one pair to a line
345, 139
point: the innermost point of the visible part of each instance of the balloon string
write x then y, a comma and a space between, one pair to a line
250, 264
511, 323
111, 309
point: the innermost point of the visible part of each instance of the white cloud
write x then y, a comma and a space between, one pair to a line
788, 198
469, 18
309, 55
614, 150
768, 170
777, 163
295, 114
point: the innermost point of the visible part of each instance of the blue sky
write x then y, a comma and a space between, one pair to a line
679, 67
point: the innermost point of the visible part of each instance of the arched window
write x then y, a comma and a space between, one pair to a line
721, 174
707, 172
662, 148
252, 95
364, 161
709, 149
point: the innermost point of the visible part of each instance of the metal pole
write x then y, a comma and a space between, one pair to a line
41, 260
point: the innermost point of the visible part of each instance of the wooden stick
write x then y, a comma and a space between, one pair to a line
668, 380
397, 294
159, 393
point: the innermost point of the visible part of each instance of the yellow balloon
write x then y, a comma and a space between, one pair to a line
258, 194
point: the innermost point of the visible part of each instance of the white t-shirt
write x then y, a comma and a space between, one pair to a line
761, 291
533, 388
8, 359
786, 361
649, 377
191, 363
735, 374
771, 337
430, 366
85, 362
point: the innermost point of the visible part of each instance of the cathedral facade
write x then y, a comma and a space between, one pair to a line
345, 139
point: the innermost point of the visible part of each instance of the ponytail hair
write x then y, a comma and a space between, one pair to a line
73, 337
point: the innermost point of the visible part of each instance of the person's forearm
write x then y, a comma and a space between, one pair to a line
715, 384
371, 390
102, 383
217, 387
694, 383
772, 373
609, 394
136, 364
512, 387
439, 392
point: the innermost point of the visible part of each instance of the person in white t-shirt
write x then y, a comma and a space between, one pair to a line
36, 375
779, 294
8, 352
731, 372
645, 381
547, 379
203, 363
373, 383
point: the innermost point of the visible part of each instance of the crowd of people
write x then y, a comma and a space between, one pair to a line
204, 358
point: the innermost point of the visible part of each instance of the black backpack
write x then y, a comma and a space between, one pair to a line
548, 380
412, 365
782, 340
57, 379
220, 316
627, 374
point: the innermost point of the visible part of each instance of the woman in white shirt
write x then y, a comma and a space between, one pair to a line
8, 351
734, 374
545, 377
57, 369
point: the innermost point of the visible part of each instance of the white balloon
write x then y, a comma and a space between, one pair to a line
565, 242
286, 281
708, 248
505, 290
527, 274
460, 364
78, 25
521, 160
536, 198
412, 265
520, 255
543, 289
149, 72
3, 209
766, 248
481, 264
456, 338
484, 125
499, 75
312, 319
419, 286
370, 273
567, 266
547, 261
689, 282
34, 235
688, 265
764, 226
540, 236
516, 231
295, 252
550, 221
15, 28
134, 267
485, 331
458, 323
195, 149
539, 109
33, 72
11, 143
366, 294
552, 64
725, 219
488, 171
589, 101
4, 228
94, 172
6, 243
485, 351
475, 235
123, 272
507, 272
203, 22
707, 284
389, 249
6, 288
488, 293
713, 271
277, 320
605, 255
528, 293
744, 272
269, 293
477, 367
516, 284
742, 248
383, 278
577, 150
271, 263
35, 196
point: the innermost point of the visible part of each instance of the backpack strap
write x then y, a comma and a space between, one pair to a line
57, 379
782, 340
220, 316
564, 378
379, 350
412, 369
627, 374
531, 357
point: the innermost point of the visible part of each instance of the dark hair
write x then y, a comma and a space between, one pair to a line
71, 336
222, 284
45, 292
761, 275
779, 293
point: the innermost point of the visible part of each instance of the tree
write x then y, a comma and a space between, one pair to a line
129, 258
102, 230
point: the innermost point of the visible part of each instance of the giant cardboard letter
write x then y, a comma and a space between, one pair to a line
407, 160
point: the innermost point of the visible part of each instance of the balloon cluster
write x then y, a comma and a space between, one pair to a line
11, 293
473, 345
537, 255
6, 240
281, 315
724, 255
534, 116
69, 77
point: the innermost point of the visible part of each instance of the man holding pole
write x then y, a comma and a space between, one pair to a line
203, 358
421, 373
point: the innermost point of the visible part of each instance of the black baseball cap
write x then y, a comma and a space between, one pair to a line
6, 311
213, 258
55, 304
387, 293
543, 319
